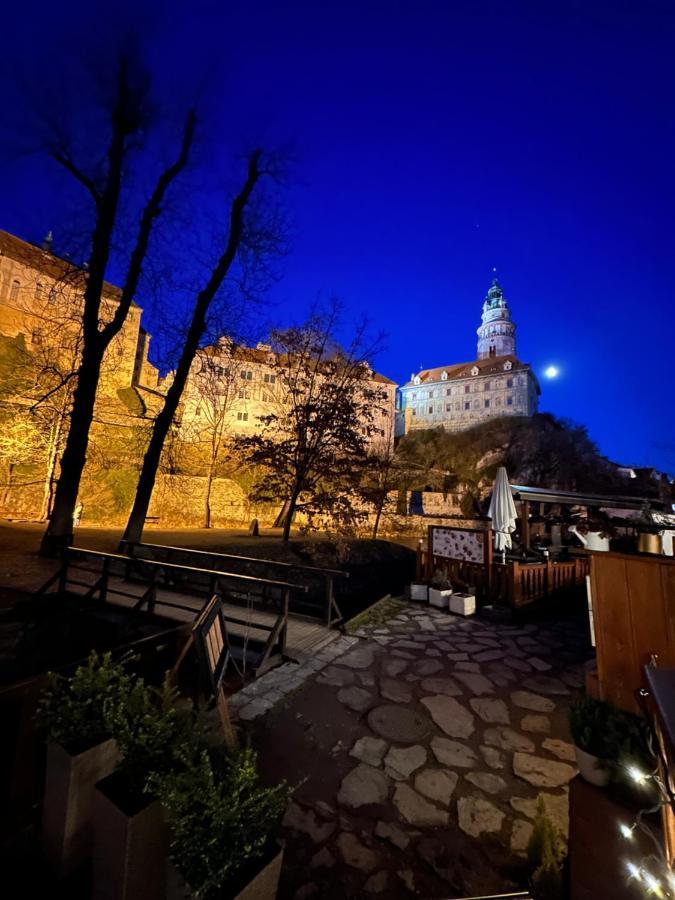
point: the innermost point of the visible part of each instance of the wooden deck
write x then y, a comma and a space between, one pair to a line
304, 637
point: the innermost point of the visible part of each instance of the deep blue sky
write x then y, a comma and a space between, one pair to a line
434, 141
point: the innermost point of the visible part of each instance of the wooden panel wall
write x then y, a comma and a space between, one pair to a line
634, 612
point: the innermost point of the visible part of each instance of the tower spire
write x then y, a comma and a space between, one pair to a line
496, 333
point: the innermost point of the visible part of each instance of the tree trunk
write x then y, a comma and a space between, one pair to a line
8, 486
52, 457
59, 533
207, 498
378, 516
292, 503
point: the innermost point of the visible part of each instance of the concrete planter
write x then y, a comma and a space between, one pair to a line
591, 768
69, 800
463, 604
439, 598
262, 885
419, 591
130, 847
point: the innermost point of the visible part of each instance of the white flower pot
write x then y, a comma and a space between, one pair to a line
418, 591
439, 599
463, 604
591, 768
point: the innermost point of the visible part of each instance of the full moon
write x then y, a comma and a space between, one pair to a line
552, 372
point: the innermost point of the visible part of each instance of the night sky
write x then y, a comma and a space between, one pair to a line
435, 141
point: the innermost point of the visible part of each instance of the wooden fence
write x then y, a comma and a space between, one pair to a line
513, 583
633, 600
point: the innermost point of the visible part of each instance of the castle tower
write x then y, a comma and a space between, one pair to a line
497, 333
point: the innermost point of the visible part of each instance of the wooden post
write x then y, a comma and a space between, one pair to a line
103, 591
525, 523
329, 600
223, 708
418, 561
429, 574
284, 629
488, 562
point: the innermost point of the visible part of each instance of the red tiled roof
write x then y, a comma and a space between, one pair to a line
44, 261
492, 365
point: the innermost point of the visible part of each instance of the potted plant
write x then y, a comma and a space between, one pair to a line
130, 837
221, 825
440, 590
590, 727
80, 751
546, 854
463, 602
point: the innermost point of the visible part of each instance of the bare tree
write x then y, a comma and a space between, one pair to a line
235, 245
380, 473
312, 449
207, 410
127, 119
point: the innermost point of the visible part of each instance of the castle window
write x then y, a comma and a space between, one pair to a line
416, 379
488, 386
509, 401
467, 388
509, 382
498, 401
487, 404
269, 379
467, 405
444, 376
507, 365
414, 412
14, 289
246, 374
448, 407
475, 370
448, 392
242, 417
431, 394
431, 409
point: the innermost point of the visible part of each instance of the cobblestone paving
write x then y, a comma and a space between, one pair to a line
449, 730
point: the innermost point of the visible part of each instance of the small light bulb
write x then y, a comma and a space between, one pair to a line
633, 871
626, 831
637, 775
653, 884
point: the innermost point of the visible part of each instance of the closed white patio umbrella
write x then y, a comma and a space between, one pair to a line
502, 511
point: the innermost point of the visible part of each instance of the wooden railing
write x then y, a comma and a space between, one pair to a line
303, 605
157, 573
512, 583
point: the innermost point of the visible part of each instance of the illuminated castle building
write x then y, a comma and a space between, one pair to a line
461, 395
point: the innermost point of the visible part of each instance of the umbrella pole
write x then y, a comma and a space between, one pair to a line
525, 523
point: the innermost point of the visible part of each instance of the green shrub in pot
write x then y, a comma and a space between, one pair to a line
221, 819
590, 724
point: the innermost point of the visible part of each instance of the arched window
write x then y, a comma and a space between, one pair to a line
14, 289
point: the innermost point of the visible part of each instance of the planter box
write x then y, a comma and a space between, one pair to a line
591, 768
130, 847
262, 885
69, 801
439, 599
419, 591
463, 604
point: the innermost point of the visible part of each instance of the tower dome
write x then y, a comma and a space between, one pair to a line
496, 333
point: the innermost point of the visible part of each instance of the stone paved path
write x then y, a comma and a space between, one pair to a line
420, 753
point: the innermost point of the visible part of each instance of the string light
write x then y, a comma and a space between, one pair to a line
637, 775
633, 871
653, 884
626, 831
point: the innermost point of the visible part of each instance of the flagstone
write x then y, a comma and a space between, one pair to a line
561, 749
394, 667
436, 785
305, 820
477, 684
397, 691
391, 832
356, 698
334, 676
507, 739
362, 786
427, 666
439, 685
545, 684
539, 724
477, 816
453, 753
399, 724
494, 712
534, 702
416, 810
542, 772
521, 832
493, 758
486, 781
556, 806
450, 716
376, 883
358, 658
369, 750
401, 762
